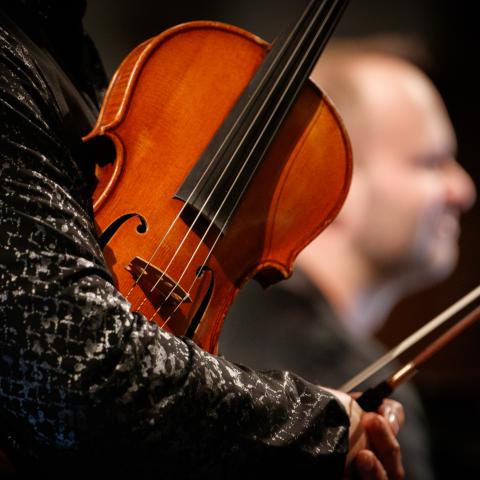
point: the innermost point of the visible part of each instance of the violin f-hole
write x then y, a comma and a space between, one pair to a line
202, 306
112, 229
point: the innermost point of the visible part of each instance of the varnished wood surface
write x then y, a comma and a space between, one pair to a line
162, 109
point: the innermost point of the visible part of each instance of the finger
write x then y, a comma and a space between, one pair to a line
393, 412
384, 444
368, 467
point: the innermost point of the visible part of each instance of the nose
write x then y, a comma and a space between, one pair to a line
461, 189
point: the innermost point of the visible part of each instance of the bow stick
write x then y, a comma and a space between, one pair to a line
372, 398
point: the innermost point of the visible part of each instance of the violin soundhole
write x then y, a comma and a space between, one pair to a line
113, 228
204, 298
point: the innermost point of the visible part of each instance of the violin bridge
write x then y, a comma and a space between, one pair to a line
157, 285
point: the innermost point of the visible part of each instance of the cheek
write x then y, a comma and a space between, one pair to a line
396, 210
390, 220
355, 207
423, 206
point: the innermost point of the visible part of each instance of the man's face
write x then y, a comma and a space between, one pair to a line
409, 190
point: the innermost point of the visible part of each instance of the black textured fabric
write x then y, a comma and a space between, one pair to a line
87, 387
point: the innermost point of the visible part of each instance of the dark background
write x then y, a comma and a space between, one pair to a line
450, 384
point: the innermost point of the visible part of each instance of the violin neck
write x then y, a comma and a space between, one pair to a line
216, 184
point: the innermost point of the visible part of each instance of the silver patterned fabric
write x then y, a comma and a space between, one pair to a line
86, 385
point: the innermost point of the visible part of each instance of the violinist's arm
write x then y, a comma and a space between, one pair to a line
374, 452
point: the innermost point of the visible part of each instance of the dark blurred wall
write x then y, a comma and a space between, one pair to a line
450, 384
119, 25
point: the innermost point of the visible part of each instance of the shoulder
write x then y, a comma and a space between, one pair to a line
21, 80
28, 111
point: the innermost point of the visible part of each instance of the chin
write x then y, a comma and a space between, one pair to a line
442, 263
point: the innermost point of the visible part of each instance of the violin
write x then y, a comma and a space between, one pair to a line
229, 161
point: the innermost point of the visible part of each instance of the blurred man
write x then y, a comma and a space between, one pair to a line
397, 232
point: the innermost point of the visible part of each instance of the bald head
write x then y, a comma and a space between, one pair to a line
401, 216
384, 97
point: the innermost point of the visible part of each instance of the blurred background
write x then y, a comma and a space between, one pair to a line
450, 384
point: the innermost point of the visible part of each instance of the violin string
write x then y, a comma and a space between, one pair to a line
225, 140
232, 186
411, 340
237, 177
239, 173
196, 277
230, 133
228, 163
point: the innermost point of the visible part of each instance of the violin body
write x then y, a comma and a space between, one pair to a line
164, 105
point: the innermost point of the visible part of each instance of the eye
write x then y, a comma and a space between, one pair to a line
432, 161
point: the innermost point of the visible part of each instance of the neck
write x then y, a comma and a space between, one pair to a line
359, 297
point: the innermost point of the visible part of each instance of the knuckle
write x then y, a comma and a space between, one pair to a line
399, 473
395, 449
